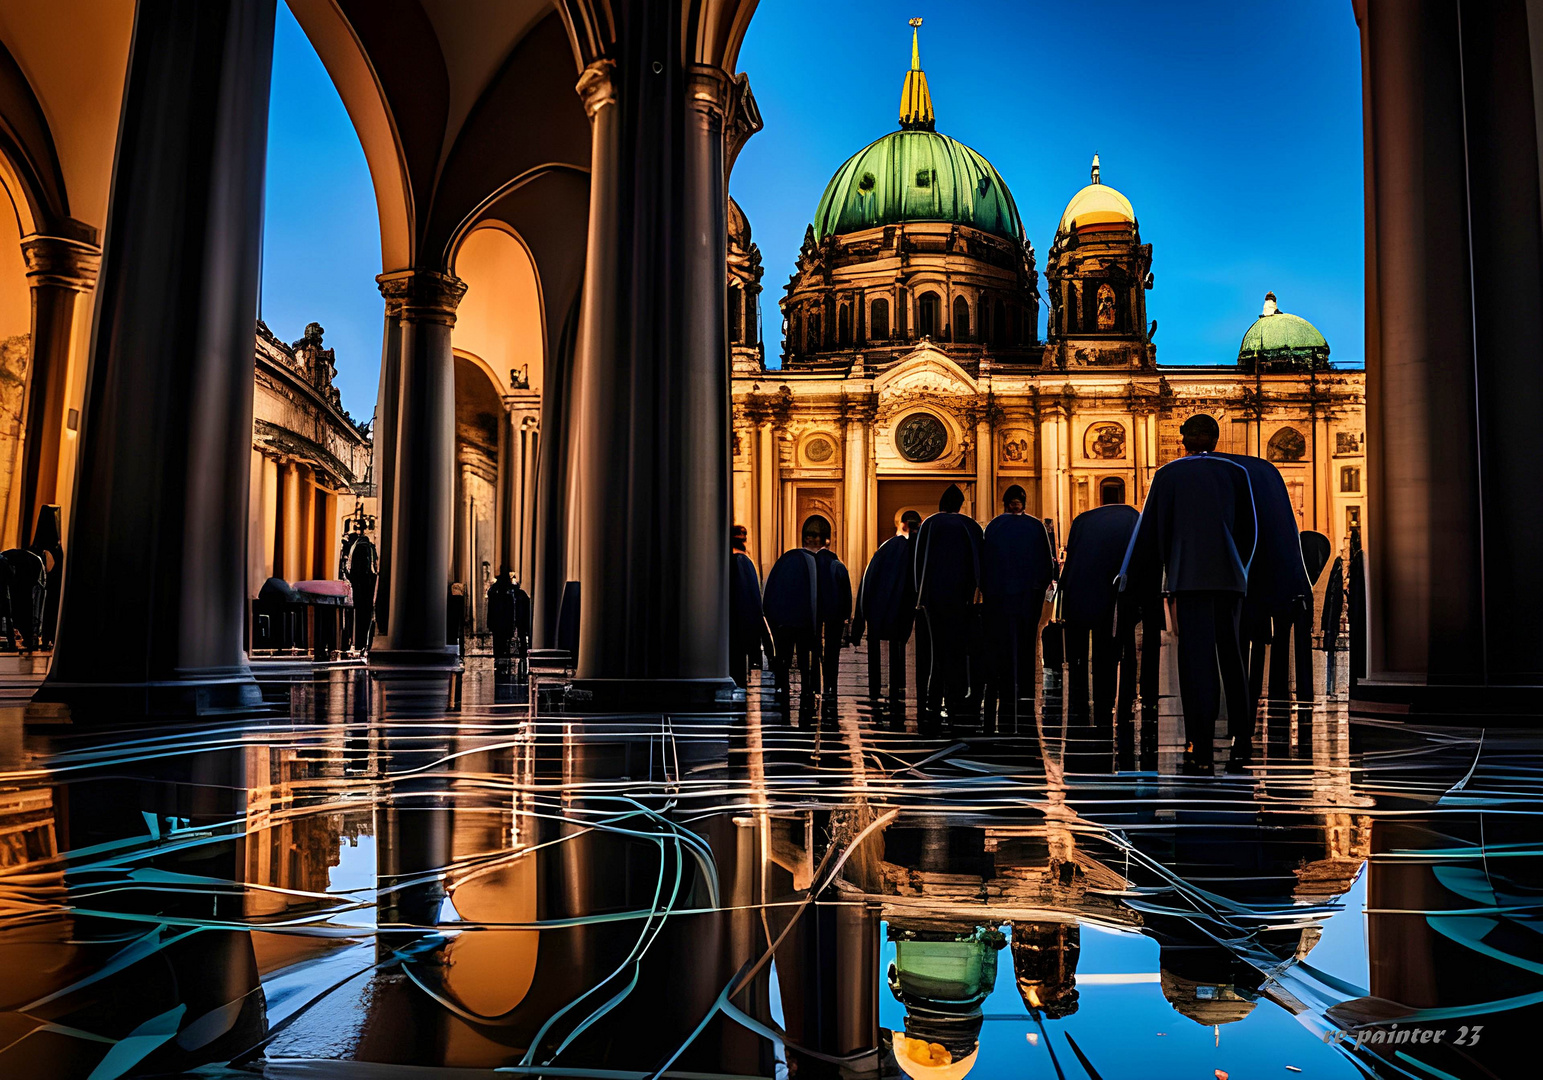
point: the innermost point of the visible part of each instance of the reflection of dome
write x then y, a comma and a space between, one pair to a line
915, 174
930, 1061
1278, 336
1208, 1004
1096, 204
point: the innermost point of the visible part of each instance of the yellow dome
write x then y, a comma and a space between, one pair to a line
923, 1060
1096, 204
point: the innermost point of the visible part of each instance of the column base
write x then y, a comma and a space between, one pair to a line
653, 695
1453, 703
209, 694
415, 660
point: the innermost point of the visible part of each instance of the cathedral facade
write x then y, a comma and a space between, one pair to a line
912, 361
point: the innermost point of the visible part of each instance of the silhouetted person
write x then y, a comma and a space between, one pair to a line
791, 605
1196, 535
361, 568
1280, 595
835, 601
948, 554
27, 576
1016, 567
1316, 549
502, 623
745, 619
1095, 548
522, 617
47, 544
1333, 612
886, 605
1355, 600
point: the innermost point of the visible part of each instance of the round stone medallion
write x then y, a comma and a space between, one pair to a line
819, 450
921, 437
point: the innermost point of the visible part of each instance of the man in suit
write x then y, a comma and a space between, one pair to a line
1279, 591
1316, 549
948, 552
886, 606
1333, 612
1196, 536
834, 601
791, 605
746, 624
1095, 548
1016, 567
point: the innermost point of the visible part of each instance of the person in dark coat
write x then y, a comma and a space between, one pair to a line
1280, 594
1095, 548
1016, 568
1333, 612
1355, 601
834, 599
1197, 536
47, 544
361, 568
791, 604
1316, 549
27, 577
522, 614
886, 606
745, 619
502, 623
948, 554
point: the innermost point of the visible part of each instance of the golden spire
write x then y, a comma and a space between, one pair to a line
915, 98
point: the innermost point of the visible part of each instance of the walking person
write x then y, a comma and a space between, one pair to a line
1095, 548
1017, 566
1196, 537
948, 553
746, 621
886, 607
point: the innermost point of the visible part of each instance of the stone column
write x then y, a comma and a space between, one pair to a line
530, 440
507, 493
418, 519
653, 378
766, 494
1454, 268
384, 445
151, 621
59, 270
985, 467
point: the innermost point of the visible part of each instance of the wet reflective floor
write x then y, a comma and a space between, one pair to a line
420, 880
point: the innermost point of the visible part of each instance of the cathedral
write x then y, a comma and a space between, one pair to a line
912, 361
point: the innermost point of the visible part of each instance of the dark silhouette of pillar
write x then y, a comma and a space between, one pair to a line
1454, 269
653, 374
549, 569
418, 518
384, 439
152, 610
59, 269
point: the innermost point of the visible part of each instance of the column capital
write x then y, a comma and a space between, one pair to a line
422, 295
710, 89
597, 86
59, 260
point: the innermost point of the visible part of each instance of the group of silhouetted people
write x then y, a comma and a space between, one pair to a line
1215, 557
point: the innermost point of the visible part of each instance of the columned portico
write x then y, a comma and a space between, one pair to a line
151, 621
418, 518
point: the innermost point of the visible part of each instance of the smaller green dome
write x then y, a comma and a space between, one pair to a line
1277, 336
917, 176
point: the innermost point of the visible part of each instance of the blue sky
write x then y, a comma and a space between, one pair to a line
1234, 127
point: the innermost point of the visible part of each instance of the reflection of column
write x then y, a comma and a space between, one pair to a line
58, 270
158, 538
653, 432
424, 480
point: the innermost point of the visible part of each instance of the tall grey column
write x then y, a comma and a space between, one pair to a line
418, 520
152, 613
653, 377
1454, 270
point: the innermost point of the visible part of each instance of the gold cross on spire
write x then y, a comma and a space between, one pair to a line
915, 97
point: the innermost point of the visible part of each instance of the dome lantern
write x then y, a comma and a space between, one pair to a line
1280, 341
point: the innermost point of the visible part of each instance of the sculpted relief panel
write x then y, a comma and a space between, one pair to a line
1105, 442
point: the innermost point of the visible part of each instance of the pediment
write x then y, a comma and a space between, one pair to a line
925, 371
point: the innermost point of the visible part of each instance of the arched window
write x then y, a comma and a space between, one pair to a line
844, 325
961, 319
1287, 444
736, 315
999, 322
812, 337
1111, 490
878, 320
927, 314
985, 320
1350, 478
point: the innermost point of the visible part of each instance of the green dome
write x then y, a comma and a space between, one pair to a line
1279, 336
917, 176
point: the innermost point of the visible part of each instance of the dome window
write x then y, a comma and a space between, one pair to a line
867, 183
926, 177
984, 185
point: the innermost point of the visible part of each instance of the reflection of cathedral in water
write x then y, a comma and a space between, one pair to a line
912, 360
